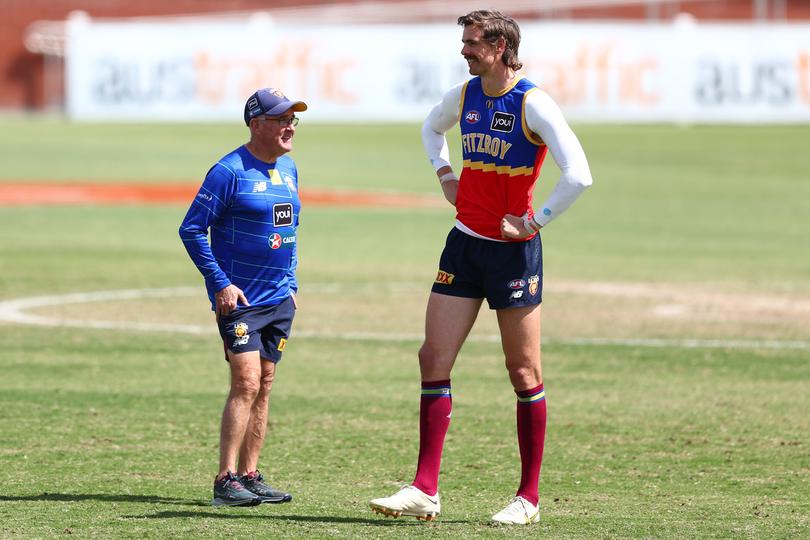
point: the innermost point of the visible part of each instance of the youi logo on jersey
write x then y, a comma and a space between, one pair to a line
503, 122
282, 215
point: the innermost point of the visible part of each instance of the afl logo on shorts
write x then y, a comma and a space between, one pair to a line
274, 241
503, 122
517, 284
282, 214
472, 117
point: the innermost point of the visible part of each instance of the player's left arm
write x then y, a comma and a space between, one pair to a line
544, 118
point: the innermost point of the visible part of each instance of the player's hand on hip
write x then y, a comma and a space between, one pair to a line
228, 298
516, 227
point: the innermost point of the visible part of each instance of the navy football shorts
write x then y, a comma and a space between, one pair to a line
507, 274
258, 328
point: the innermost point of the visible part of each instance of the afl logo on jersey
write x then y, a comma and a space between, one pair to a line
473, 117
503, 122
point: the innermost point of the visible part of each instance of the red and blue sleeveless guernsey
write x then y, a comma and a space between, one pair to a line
502, 157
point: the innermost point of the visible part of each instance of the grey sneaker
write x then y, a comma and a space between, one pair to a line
253, 483
229, 491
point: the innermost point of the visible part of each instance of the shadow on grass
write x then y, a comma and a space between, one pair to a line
305, 519
224, 513
102, 497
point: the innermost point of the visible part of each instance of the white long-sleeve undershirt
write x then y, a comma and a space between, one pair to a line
544, 118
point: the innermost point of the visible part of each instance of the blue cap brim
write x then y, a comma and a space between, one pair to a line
284, 106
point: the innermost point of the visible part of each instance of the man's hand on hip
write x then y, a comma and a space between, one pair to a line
227, 299
517, 227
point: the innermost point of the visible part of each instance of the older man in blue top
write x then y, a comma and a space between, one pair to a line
249, 204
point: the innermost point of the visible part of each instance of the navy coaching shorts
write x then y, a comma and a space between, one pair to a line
507, 274
258, 328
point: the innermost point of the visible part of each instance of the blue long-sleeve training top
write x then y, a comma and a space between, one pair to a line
252, 210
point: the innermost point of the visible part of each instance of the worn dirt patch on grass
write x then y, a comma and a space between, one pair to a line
29, 194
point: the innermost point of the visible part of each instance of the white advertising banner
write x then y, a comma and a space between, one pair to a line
204, 71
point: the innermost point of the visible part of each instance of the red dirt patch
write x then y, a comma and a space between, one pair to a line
26, 194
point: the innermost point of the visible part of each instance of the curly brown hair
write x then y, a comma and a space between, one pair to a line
497, 25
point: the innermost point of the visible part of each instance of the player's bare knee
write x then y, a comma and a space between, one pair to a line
427, 356
266, 381
431, 364
245, 387
525, 376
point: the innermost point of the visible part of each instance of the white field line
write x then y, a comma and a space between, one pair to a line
14, 312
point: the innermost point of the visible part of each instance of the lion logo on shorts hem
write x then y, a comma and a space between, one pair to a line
281, 344
240, 330
534, 284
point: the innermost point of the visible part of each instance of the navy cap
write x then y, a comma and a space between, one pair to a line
271, 102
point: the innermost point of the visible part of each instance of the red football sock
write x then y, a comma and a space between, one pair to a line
434, 419
531, 428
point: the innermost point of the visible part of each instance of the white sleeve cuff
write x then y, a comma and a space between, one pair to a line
448, 177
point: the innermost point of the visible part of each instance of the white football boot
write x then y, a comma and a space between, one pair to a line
408, 501
518, 512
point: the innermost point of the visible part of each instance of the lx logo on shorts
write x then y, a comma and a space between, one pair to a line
444, 278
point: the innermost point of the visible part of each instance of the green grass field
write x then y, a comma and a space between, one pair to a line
676, 345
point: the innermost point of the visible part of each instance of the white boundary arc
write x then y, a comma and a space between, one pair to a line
14, 312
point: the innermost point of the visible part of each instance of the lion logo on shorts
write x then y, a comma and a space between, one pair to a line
240, 330
534, 284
